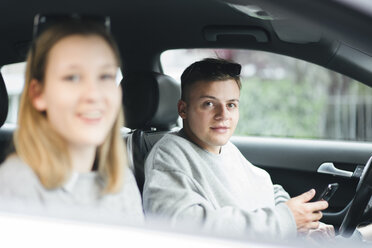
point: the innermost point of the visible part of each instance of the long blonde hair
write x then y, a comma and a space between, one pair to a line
36, 142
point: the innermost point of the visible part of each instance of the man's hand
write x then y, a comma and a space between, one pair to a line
307, 214
366, 232
323, 233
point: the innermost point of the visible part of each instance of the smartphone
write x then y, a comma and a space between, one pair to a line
327, 193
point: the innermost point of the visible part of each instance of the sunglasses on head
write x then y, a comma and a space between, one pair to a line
42, 22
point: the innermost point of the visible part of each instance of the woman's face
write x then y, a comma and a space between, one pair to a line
80, 94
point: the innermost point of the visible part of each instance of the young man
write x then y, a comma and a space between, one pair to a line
197, 175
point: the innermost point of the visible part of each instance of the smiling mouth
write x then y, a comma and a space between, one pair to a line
91, 115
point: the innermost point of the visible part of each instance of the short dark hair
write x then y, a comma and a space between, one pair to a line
207, 70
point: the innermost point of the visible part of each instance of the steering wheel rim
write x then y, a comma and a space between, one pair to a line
359, 202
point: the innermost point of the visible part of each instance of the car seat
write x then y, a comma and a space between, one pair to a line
150, 109
3, 101
5, 133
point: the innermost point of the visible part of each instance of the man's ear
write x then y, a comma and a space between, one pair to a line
36, 95
182, 109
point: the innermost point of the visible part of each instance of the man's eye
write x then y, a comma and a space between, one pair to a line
208, 104
231, 105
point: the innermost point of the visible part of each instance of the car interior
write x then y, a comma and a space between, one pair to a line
332, 34
155, 95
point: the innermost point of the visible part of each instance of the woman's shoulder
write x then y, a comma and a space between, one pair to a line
14, 165
15, 175
130, 199
129, 180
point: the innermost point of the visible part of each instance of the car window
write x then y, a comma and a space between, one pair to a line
13, 75
286, 97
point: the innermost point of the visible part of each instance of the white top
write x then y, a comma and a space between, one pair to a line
79, 197
223, 193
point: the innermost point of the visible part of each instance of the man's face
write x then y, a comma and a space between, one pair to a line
211, 113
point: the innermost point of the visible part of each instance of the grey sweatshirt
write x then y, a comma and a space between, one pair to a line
223, 193
81, 195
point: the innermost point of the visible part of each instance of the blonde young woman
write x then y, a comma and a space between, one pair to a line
69, 151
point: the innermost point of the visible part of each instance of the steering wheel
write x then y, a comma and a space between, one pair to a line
359, 202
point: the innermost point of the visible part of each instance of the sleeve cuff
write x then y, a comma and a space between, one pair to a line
287, 222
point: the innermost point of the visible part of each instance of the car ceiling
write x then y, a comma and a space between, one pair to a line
323, 32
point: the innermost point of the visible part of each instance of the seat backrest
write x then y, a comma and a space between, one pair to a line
150, 107
6, 133
150, 101
3, 101
139, 144
6, 142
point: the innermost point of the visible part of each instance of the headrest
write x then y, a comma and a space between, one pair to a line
3, 101
150, 100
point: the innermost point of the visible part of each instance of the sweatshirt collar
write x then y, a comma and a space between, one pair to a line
69, 185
